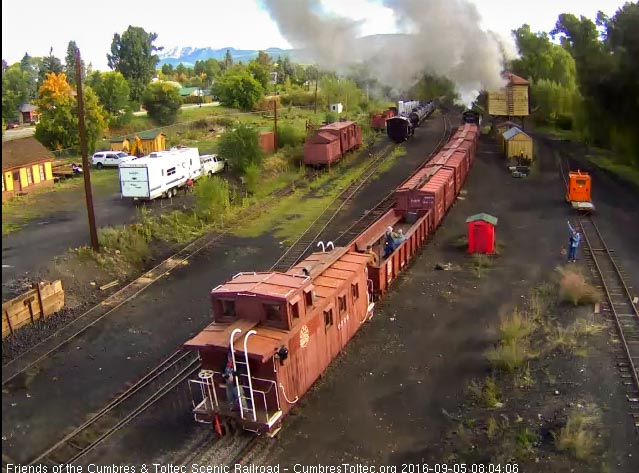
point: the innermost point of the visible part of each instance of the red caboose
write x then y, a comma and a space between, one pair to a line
331, 142
282, 330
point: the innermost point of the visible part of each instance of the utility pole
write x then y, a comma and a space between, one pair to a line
316, 81
85, 153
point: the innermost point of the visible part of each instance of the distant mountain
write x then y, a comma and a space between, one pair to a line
188, 55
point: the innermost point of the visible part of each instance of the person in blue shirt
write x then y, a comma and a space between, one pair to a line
573, 243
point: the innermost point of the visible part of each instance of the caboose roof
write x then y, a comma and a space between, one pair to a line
277, 285
337, 126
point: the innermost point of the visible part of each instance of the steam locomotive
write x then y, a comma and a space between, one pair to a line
411, 115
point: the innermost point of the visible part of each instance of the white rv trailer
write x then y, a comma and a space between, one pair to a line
160, 173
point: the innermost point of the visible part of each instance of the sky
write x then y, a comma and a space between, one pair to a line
35, 26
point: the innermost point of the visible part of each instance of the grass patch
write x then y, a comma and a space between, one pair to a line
460, 242
625, 172
574, 288
486, 394
572, 339
480, 263
515, 326
509, 356
580, 436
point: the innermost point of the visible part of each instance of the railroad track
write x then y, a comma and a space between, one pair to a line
619, 305
384, 205
125, 407
304, 243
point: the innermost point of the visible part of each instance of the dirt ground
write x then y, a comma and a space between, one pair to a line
137, 336
32, 248
397, 393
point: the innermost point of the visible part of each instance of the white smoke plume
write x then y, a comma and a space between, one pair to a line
441, 37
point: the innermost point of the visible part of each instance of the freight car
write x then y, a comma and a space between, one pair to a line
378, 120
331, 142
278, 331
399, 128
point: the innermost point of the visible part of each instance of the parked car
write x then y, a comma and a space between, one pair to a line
110, 158
212, 164
12, 125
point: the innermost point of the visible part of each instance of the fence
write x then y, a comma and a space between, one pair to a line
40, 302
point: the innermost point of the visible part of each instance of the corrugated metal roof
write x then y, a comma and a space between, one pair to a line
508, 134
482, 217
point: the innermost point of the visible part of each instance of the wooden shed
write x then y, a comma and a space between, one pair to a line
502, 128
517, 143
26, 164
150, 141
481, 233
512, 100
267, 141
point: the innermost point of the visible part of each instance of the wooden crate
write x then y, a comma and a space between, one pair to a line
44, 299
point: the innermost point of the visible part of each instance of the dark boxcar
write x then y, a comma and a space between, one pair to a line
399, 129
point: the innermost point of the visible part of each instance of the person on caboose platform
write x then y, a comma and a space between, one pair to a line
230, 377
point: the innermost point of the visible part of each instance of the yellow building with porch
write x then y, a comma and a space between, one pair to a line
146, 143
26, 165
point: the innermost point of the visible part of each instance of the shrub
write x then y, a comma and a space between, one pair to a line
515, 326
252, 178
131, 241
212, 198
574, 288
508, 356
564, 122
241, 147
293, 155
330, 117
287, 135
579, 435
162, 102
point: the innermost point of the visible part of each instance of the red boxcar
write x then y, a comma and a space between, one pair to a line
378, 120
320, 149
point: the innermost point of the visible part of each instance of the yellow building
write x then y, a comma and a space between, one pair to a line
150, 141
26, 164
517, 144
511, 101
502, 128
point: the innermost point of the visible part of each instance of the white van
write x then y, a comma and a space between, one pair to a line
212, 164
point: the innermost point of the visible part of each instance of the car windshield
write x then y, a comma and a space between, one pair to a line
122, 155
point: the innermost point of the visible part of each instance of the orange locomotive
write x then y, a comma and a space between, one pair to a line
278, 332
578, 191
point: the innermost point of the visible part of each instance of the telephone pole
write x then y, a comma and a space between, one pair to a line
85, 153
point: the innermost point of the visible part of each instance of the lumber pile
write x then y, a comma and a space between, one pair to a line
45, 299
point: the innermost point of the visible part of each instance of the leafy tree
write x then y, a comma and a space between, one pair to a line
58, 125
241, 147
167, 70
50, 64
162, 102
31, 66
113, 91
431, 86
542, 59
132, 56
15, 91
70, 63
210, 68
261, 69
228, 60
238, 89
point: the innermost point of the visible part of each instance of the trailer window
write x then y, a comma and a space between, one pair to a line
273, 312
328, 317
170, 172
581, 182
228, 308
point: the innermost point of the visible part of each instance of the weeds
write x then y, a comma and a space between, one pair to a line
571, 339
491, 428
524, 379
574, 288
487, 394
510, 356
579, 436
515, 326
480, 263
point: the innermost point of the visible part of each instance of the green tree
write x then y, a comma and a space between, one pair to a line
31, 66
15, 91
167, 70
241, 147
49, 64
113, 91
58, 125
238, 89
261, 69
227, 63
431, 86
70, 63
132, 54
162, 102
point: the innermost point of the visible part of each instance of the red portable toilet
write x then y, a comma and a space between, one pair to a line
481, 233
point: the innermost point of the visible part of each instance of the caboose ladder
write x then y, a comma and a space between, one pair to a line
240, 386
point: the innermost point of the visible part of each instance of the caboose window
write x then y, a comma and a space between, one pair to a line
581, 182
272, 312
341, 300
308, 298
228, 308
328, 317
355, 291
295, 311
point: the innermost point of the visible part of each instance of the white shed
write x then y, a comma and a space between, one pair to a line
336, 107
